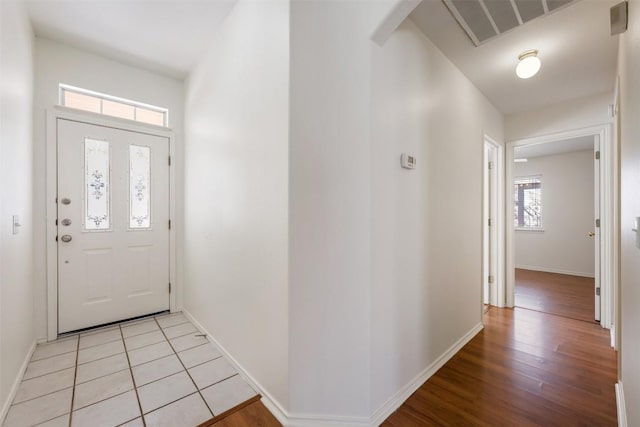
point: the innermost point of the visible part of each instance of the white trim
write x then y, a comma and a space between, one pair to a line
498, 297
607, 241
269, 401
53, 114
612, 333
554, 270
16, 383
621, 406
316, 420
392, 20
395, 401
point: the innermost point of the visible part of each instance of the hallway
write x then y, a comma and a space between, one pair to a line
527, 369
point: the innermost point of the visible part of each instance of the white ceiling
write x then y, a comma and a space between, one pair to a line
556, 147
578, 54
166, 36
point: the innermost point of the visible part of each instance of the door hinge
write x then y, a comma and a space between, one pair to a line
597, 223
490, 279
169, 287
169, 224
597, 291
490, 222
169, 160
597, 155
56, 222
490, 165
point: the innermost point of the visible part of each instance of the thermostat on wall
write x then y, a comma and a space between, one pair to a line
408, 161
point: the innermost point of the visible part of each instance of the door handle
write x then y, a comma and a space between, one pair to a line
591, 234
66, 238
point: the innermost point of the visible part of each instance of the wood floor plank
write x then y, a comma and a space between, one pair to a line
526, 368
255, 414
561, 294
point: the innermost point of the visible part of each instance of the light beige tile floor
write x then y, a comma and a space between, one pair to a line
152, 372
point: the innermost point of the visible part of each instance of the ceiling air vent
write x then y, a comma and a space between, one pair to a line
485, 19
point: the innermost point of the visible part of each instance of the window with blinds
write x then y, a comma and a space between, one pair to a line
527, 202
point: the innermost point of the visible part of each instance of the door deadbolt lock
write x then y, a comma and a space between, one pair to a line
66, 201
66, 221
66, 238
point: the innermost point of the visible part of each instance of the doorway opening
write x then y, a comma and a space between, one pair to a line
559, 237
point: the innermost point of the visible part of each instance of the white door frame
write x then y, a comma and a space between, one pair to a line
606, 218
497, 296
58, 112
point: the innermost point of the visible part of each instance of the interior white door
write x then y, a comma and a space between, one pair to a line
490, 229
113, 224
596, 233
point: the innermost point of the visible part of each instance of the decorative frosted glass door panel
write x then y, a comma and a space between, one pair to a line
139, 187
96, 178
113, 216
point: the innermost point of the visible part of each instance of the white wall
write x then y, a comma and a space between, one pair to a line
330, 211
426, 224
567, 215
629, 70
575, 114
16, 194
57, 63
236, 191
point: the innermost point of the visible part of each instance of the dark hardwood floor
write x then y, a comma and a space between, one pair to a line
561, 294
526, 368
249, 414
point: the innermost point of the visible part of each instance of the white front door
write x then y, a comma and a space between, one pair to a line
113, 224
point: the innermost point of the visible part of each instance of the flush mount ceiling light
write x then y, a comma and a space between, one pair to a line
529, 64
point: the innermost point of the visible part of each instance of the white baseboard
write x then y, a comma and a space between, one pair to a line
555, 270
269, 401
320, 420
16, 383
395, 401
622, 410
612, 333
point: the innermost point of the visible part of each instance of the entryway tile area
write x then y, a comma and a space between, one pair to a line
158, 371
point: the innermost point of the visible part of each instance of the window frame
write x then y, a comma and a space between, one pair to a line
514, 183
62, 88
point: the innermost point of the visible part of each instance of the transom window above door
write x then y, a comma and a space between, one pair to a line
87, 100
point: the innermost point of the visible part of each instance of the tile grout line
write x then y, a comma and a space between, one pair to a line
206, 361
144, 423
42, 395
105, 399
75, 374
101, 358
186, 370
103, 376
172, 402
48, 373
